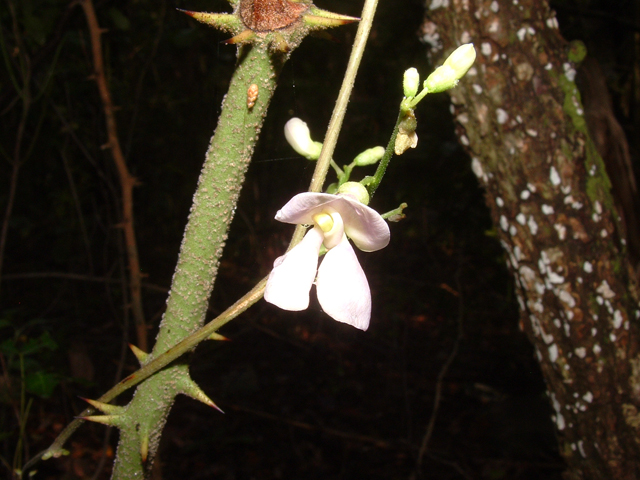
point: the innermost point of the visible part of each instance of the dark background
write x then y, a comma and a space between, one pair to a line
304, 396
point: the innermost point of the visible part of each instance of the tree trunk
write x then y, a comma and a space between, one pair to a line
519, 115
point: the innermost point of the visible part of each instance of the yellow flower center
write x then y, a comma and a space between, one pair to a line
324, 221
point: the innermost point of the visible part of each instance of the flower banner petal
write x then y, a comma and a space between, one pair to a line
368, 230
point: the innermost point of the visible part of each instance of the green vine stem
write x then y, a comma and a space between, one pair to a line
141, 421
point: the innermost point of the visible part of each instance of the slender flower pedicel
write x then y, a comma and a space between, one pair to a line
342, 287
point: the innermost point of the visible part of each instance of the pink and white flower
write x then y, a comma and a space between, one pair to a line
342, 287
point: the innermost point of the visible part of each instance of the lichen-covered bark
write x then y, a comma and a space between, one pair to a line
519, 115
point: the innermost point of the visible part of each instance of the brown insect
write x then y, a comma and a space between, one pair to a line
252, 95
270, 15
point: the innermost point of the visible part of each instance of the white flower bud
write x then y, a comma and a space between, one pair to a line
299, 137
461, 59
369, 157
355, 190
411, 82
454, 68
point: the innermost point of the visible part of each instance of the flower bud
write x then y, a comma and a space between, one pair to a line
461, 59
369, 157
454, 68
299, 137
355, 190
411, 82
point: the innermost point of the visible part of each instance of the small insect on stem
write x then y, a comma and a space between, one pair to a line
252, 95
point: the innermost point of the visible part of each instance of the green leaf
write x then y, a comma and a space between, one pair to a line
41, 384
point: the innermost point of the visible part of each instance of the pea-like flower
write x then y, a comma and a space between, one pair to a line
341, 285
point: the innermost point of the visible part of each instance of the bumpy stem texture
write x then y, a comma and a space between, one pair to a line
214, 203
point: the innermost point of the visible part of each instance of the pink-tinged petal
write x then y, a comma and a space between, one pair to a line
366, 227
368, 230
293, 274
343, 290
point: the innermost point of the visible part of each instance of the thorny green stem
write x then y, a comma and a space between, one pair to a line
189, 342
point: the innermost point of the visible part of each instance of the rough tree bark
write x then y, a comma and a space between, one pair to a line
519, 115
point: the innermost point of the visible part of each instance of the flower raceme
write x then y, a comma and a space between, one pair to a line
341, 285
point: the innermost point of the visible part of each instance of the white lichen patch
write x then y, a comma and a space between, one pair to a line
617, 319
567, 298
525, 194
548, 66
556, 406
463, 118
494, 6
581, 447
527, 275
502, 116
552, 22
604, 233
562, 231
533, 226
598, 207
588, 397
531, 132
504, 223
569, 200
499, 202
465, 37
477, 88
513, 230
567, 329
521, 218
569, 71
554, 177
464, 140
435, 4
517, 253
597, 349
553, 352
581, 352
555, 278
476, 167
518, 119
485, 49
587, 267
594, 331
566, 189
547, 209
605, 290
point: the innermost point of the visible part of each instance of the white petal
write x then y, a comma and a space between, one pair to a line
363, 225
293, 274
343, 290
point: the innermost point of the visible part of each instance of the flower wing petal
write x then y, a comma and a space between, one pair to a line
293, 274
343, 290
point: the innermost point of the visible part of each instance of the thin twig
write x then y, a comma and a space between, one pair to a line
127, 181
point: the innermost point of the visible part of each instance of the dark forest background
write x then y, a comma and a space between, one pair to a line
304, 396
